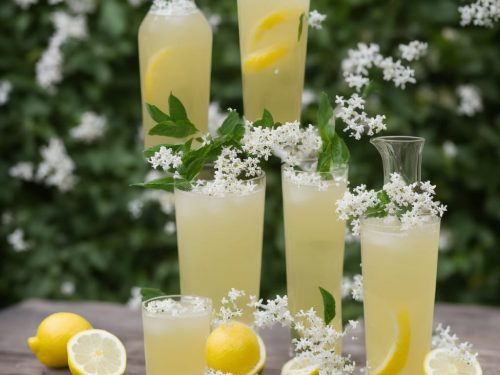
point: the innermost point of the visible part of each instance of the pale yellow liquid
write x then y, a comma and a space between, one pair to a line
220, 243
175, 345
314, 246
399, 276
272, 25
175, 53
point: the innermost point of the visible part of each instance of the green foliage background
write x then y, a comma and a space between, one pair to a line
87, 236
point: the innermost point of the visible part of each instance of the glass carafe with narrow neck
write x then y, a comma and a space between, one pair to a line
402, 155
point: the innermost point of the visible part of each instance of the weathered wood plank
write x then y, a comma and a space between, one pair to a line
479, 325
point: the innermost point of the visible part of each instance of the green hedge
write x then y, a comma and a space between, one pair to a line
88, 237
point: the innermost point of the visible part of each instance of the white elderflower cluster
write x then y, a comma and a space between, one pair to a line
135, 300
450, 149
316, 19
444, 339
353, 287
357, 65
414, 50
164, 199
306, 178
67, 288
25, 4
23, 170
91, 127
214, 21
173, 307
215, 118
470, 100
412, 204
272, 312
5, 89
480, 13
166, 159
49, 67
17, 241
352, 112
56, 168
230, 307
210, 371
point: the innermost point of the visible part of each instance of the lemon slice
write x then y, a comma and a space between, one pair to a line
441, 362
158, 66
270, 22
280, 25
96, 352
398, 355
298, 366
263, 59
235, 348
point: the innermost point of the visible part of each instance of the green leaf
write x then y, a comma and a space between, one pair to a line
324, 115
230, 123
340, 152
156, 113
177, 129
301, 26
149, 293
328, 304
383, 197
164, 183
176, 108
267, 120
325, 158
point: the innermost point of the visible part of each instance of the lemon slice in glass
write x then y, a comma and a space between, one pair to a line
398, 354
156, 73
279, 25
96, 352
298, 366
264, 58
441, 362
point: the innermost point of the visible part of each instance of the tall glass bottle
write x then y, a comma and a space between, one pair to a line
175, 53
399, 274
273, 43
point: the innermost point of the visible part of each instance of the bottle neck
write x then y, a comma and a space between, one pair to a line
173, 7
402, 155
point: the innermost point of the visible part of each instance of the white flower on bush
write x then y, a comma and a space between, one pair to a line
214, 21
25, 4
5, 89
23, 170
414, 50
17, 241
316, 19
56, 168
480, 13
215, 118
68, 288
135, 300
170, 227
49, 67
450, 150
470, 100
353, 287
91, 127
308, 97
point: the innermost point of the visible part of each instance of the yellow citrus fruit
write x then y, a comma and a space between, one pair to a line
264, 58
279, 25
158, 67
441, 362
52, 336
96, 352
235, 348
398, 355
297, 366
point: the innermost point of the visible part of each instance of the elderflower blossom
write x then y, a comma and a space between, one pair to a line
23, 170
215, 118
25, 4
480, 13
351, 112
470, 100
67, 288
166, 159
353, 287
163, 198
210, 371
293, 144
214, 21
316, 19
91, 127
414, 200
230, 308
444, 339
360, 60
5, 89
17, 241
49, 67
414, 50
56, 168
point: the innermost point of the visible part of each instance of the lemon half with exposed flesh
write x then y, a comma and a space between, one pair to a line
297, 366
441, 362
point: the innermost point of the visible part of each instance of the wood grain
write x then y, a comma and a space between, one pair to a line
479, 325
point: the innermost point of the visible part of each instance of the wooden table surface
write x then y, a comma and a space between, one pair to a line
478, 325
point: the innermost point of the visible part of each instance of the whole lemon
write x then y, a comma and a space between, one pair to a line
52, 336
235, 348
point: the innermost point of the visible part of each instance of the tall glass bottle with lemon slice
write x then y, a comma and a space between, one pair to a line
273, 43
399, 275
175, 52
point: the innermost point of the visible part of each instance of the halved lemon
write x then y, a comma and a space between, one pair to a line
264, 58
398, 354
297, 366
158, 66
441, 362
96, 352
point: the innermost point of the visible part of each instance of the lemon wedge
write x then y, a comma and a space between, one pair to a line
235, 348
398, 355
441, 362
158, 67
297, 366
278, 26
96, 352
263, 59
270, 22
53, 334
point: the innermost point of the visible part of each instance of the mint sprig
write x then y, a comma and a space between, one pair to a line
149, 293
328, 305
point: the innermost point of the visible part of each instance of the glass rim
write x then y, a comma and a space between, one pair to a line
380, 223
398, 139
177, 297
